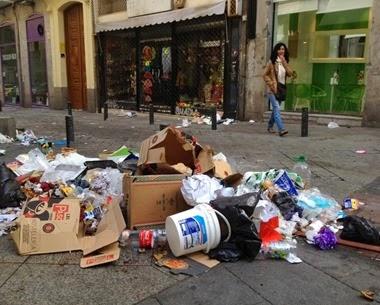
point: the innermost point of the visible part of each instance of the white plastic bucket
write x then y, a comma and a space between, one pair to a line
194, 230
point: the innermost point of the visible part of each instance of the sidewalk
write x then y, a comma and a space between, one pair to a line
330, 277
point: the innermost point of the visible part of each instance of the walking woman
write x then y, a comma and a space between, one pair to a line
275, 75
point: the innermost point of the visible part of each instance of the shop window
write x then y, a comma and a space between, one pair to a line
120, 70
9, 65
112, 6
328, 51
339, 46
200, 66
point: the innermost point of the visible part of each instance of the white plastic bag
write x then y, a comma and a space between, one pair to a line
200, 189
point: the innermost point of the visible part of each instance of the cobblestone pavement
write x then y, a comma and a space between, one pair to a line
332, 277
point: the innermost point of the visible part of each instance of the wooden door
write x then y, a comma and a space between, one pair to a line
75, 57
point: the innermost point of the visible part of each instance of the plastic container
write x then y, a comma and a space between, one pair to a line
194, 230
302, 168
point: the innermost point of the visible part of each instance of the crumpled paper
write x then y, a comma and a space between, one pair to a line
200, 189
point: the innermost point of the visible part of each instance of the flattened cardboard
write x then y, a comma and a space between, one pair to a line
150, 199
105, 255
54, 226
48, 227
167, 146
203, 259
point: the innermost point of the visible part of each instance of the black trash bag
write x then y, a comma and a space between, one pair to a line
360, 230
10, 191
287, 205
243, 231
247, 202
226, 252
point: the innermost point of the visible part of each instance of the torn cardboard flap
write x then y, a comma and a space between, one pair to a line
204, 162
167, 146
104, 255
54, 226
222, 169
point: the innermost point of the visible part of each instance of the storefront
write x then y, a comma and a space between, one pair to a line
178, 66
328, 44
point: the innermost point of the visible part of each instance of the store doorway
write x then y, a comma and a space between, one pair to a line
37, 60
156, 67
75, 56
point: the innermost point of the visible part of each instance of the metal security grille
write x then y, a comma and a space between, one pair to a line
176, 67
200, 64
120, 70
111, 6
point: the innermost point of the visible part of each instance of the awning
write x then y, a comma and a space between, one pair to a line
166, 17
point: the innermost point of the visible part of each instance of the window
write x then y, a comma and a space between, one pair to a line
328, 51
112, 6
9, 65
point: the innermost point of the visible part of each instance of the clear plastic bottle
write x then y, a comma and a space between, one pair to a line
302, 169
142, 239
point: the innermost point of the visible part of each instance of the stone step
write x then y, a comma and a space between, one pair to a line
319, 119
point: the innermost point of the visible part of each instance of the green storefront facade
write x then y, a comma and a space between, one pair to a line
328, 41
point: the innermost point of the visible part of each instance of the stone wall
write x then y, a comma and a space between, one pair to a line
371, 112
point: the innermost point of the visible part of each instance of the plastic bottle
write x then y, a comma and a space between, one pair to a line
302, 168
142, 239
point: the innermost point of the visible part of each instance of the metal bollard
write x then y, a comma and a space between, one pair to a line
213, 119
69, 108
105, 112
305, 122
69, 130
151, 114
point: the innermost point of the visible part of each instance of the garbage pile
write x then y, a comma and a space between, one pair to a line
47, 197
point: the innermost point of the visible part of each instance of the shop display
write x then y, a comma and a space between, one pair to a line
120, 63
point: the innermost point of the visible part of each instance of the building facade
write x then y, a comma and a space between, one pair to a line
47, 54
175, 56
332, 47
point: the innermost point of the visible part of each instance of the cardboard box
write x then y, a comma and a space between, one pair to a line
167, 146
150, 199
54, 226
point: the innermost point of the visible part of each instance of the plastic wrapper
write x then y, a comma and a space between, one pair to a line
284, 249
62, 173
71, 159
318, 206
200, 189
252, 181
27, 137
107, 181
36, 161
5, 139
325, 239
